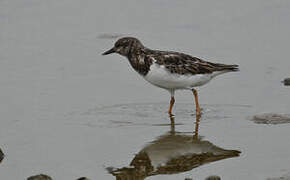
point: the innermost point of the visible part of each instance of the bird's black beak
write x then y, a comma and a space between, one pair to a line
109, 51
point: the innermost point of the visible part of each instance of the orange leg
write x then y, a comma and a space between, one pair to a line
171, 106
196, 102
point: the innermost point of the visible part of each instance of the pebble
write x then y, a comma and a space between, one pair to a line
286, 81
213, 178
83, 178
40, 177
271, 118
1, 155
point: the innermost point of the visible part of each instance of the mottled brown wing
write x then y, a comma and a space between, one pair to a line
185, 64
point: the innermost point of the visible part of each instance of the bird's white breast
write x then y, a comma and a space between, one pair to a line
159, 76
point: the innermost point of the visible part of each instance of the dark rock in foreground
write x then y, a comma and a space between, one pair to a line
286, 81
39, 177
271, 118
46, 177
83, 178
213, 178
1, 155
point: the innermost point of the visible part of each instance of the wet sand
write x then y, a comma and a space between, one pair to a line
68, 112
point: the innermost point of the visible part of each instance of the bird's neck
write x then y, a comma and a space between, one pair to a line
139, 61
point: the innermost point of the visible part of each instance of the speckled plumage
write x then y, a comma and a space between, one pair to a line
141, 58
167, 69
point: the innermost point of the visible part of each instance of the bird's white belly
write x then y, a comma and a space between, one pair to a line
159, 76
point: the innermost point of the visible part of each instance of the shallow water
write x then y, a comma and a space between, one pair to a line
69, 112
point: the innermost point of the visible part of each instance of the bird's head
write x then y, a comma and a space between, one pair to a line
125, 46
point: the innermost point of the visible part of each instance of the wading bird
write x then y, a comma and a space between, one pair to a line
169, 70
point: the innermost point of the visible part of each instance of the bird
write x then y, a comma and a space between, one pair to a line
169, 70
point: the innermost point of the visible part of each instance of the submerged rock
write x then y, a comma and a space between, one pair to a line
284, 177
286, 81
40, 177
279, 178
213, 178
83, 178
271, 118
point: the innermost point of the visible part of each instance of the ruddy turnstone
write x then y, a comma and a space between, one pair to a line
169, 70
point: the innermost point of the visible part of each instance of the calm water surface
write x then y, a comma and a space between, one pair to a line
68, 112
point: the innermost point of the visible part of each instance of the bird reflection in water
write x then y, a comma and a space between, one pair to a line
172, 153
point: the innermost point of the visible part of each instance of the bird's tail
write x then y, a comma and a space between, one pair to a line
225, 67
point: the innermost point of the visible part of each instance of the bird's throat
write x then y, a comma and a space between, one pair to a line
140, 63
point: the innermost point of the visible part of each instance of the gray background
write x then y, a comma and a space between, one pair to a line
54, 84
